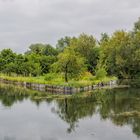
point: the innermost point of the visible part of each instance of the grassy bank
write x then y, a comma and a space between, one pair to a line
21, 92
12, 91
58, 80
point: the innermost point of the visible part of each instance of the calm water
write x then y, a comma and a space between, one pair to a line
101, 116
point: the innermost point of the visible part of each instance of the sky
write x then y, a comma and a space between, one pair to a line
24, 22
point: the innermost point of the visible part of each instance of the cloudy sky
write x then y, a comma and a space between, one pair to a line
23, 22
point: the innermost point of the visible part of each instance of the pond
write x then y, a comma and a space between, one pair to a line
112, 114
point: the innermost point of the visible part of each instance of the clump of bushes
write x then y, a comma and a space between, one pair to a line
86, 76
101, 73
50, 76
56, 78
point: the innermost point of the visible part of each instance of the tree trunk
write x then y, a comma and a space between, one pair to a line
66, 74
66, 106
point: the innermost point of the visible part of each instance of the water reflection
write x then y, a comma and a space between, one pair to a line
120, 106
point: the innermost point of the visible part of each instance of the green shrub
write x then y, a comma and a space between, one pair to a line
101, 73
50, 76
86, 76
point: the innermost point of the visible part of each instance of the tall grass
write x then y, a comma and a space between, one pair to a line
57, 79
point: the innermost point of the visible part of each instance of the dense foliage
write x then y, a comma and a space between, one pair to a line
117, 55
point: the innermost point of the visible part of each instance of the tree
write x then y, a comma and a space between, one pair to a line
49, 50
70, 63
104, 38
7, 58
36, 48
135, 56
63, 43
86, 46
117, 55
46, 62
137, 26
42, 49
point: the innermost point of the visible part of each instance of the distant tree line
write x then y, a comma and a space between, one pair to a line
117, 55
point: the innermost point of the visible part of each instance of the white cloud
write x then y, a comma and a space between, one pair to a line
27, 21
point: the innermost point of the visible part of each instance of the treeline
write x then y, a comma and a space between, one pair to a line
117, 55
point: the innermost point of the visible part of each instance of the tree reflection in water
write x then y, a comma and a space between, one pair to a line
121, 106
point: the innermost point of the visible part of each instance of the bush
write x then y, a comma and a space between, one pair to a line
101, 73
86, 76
50, 76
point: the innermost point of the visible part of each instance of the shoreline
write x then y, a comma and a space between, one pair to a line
59, 89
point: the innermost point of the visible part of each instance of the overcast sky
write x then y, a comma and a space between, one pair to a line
23, 22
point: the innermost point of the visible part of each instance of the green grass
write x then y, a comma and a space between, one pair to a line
58, 80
